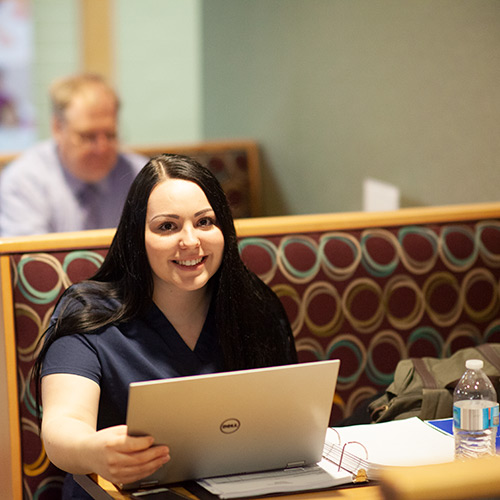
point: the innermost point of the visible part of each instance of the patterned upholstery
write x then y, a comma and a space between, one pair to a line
39, 280
369, 297
372, 297
234, 163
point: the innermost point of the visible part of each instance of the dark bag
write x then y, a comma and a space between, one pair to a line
423, 387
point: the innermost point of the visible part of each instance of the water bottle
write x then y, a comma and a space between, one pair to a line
475, 413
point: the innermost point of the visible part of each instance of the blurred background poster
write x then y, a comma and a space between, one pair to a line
17, 120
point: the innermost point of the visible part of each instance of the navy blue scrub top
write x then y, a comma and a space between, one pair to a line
145, 348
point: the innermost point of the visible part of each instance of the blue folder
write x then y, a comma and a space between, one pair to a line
446, 425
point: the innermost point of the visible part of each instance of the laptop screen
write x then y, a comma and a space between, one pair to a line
235, 422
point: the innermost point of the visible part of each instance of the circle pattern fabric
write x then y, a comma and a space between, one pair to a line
369, 297
375, 296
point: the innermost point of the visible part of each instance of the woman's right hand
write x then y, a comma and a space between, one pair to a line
70, 407
123, 459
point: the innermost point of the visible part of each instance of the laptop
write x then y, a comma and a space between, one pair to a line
235, 422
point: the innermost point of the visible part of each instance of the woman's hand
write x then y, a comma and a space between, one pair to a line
70, 406
123, 459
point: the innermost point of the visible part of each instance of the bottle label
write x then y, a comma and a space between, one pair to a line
475, 418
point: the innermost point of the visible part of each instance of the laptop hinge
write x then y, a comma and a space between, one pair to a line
300, 463
148, 484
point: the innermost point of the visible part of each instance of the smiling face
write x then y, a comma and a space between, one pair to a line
183, 243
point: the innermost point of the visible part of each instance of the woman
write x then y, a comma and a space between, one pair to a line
172, 298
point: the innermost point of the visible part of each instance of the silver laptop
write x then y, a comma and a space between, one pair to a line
235, 422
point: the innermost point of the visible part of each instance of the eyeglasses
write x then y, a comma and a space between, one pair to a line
87, 139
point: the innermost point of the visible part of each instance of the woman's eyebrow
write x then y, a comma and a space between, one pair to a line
170, 216
205, 210
175, 216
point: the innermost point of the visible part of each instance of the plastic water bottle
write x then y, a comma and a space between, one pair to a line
475, 413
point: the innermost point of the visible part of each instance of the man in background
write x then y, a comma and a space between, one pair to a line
78, 179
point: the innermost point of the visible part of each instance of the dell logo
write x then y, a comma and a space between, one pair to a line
230, 425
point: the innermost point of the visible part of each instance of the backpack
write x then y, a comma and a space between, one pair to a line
423, 387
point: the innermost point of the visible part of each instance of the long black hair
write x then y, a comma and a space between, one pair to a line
252, 327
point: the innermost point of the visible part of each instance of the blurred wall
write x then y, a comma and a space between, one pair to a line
334, 90
56, 51
157, 68
338, 90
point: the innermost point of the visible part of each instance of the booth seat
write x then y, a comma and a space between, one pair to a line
235, 163
367, 288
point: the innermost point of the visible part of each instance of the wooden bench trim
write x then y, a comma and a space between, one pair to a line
6, 158
358, 220
262, 226
7, 329
97, 238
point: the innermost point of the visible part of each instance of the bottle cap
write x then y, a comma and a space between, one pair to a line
474, 364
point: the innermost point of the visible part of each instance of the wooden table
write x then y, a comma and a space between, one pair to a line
101, 489
470, 480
